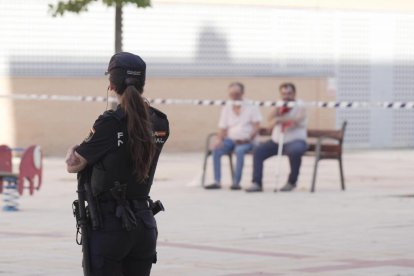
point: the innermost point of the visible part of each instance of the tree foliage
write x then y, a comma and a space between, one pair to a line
78, 6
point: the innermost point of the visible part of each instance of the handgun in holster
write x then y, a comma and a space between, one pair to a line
123, 209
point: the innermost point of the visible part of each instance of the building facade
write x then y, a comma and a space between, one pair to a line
194, 48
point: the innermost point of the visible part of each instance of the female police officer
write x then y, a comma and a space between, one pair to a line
121, 153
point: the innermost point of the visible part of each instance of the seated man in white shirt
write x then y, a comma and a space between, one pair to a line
239, 124
292, 121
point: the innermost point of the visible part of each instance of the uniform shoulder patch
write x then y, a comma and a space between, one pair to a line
160, 133
160, 136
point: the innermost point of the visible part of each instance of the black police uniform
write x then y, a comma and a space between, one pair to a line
113, 249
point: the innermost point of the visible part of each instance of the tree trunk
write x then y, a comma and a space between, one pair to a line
118, 28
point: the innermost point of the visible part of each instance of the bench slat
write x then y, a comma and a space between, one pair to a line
316, 133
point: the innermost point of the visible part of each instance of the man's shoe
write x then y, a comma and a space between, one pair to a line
213, 186
254, 187
288, 187
235, 187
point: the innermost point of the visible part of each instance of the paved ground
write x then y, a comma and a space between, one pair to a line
367, 230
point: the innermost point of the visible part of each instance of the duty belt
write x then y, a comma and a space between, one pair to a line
135, 204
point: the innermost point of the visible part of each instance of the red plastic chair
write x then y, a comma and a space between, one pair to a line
5, 162
30, 167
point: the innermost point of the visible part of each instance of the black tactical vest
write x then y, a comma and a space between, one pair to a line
116, 166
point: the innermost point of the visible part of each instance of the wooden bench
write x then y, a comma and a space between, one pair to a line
322, 144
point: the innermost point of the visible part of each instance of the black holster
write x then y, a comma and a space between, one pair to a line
123, 208
156, 206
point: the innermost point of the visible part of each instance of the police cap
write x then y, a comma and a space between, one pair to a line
133, 65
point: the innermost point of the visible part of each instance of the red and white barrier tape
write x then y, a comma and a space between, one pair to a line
314, 104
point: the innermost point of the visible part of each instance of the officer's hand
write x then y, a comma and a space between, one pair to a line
71, 158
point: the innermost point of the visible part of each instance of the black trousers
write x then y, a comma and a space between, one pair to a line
117, 252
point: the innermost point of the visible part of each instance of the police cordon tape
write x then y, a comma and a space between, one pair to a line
315, 104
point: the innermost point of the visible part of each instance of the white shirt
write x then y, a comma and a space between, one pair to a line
239, 127
296, 132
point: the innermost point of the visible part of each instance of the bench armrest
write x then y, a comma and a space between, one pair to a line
320, 141
208, 141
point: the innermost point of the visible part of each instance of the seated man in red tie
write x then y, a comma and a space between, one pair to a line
292, 121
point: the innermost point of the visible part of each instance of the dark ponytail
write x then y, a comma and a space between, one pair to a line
139, 126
